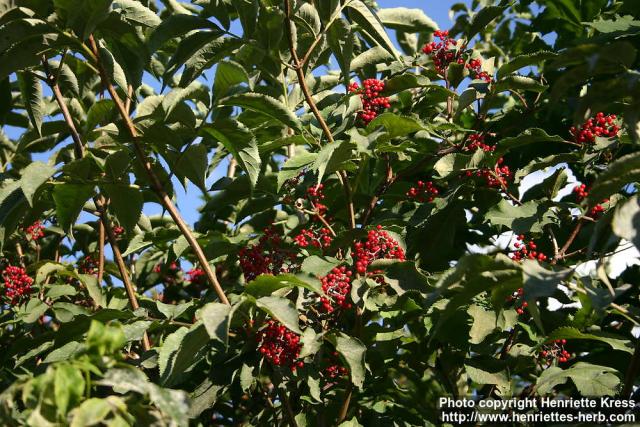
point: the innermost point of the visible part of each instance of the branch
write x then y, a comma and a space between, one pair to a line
344, 409
569, 242
342, 176
156, 184
100, 252
98, 200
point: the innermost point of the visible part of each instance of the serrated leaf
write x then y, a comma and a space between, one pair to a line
340, 39
484, 323
528, 217
282, 310
614, 341
515, 82
626, 221
483, 18
192, 164
33, 177
404, 19
31, 90
228, 74
522, 61
590, 380
126, 203
69, 200
217, 319
353, 352
266, 105
319, 266
371, 24
266, 284
294, 166
68, 387
135, 12
112, 68
331, 158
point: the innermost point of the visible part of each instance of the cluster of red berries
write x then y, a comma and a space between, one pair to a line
425, 191
476, 141
118, 230
443, 52
475, 68
316, 195
88, 265
17, 283
556, 351
336, 286
602, 125
372, 103
35, 231
170, 276
197, 276
526, 250
280, 345
498, 177
581, 193
335, 369
517, 299
266, 257
317, 238
379, 245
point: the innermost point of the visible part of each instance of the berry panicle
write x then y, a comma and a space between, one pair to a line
337, 287
601, 126
17, 284
280, 346
372, 103
268, 256
423, 192
379, 245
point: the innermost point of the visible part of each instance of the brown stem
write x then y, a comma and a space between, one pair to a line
98, 200
100, 252
569, 241
632, 372
155, 182
287, 406
20, 254
344, 409
389, 180
312, 105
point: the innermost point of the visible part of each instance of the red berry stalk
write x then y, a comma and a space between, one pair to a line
35, 231
280, 346
555, 351
517, 298
582, 193
320, 238
423, 192
476, 141
527, 250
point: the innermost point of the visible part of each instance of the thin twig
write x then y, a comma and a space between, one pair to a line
156, 184
569, 242
98, 200
342, 176
100, 252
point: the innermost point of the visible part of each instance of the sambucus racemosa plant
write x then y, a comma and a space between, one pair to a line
394, 220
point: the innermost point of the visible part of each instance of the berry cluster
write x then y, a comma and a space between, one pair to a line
35, 231
602, 125
197, 276
443, 52
334, 369
316, 195
118, 230
498, 177
169, 274
379, 245
526, 250
88, 265
266, 257
317, 238
556, 351
280, 345
475, 68
581, 193
425, 191
372, 103
476, 141
517, 298
336, 286
16, 283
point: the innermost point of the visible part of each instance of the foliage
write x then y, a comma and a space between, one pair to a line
399, 219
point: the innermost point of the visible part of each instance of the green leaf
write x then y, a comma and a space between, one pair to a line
68, 387
522, 61
319, 266
371, 25
93, 411
248, 14
69, 200
190, 350
176, 25
619, 173
192, 164
31, 91
217, 319
332, 157
82, 16
171, 311
484, 323
515, 82
454, 163
126, 203
228, 74
33, 177
169, 348
614, 341
626, 221
282, 310
112, 68
294, 166
395, 125
241, 143
94, 289
353, 352
266, 284
529, 217
32, 310
136, 13
409, 20
266, 105
101, 112
340, 39
482, 375
590, 380
483, 18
